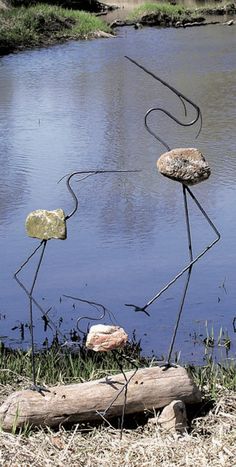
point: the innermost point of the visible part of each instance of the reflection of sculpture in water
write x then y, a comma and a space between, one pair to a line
47, 225
189, 167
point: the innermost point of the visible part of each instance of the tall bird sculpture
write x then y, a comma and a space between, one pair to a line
46, 225
189, 167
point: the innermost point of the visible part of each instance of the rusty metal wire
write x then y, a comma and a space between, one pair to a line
42, 245
105, 311
88, 173
182, 98
186, 190
118, 357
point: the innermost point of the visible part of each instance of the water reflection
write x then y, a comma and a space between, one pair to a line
80, 106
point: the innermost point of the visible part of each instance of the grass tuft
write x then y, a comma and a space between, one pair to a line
154, 8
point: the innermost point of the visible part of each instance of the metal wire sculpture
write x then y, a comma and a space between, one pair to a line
186, 191
41, 248
119, 357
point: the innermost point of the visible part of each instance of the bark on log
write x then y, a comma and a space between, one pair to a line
150, 388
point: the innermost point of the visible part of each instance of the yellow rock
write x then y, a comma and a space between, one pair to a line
46, 225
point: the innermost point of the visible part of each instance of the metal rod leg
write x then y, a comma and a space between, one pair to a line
123, 388
31, 302
187, 279
31, 313
51, 323
192, 262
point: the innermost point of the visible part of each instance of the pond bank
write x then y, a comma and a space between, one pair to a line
44, 25
172, 15
210, 439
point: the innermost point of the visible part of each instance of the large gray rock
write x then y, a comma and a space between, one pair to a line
46, 225
185, 165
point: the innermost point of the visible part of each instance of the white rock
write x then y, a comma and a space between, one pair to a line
102, 338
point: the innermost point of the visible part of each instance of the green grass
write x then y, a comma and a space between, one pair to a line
173, 12
155, 8
212, 377
44, 25
58, 365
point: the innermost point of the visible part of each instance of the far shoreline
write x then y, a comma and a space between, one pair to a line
43, 25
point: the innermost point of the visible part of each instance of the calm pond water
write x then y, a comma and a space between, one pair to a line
81, 106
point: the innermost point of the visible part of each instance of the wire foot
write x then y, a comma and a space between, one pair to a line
40, 389
138, 308
166, 365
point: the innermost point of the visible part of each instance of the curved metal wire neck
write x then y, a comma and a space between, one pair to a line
184, 99
86, 173
98, 306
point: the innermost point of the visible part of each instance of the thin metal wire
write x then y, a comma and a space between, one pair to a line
186, 190
118, 359
187, 280
181, 96
31, 312
169, 115
89, 173
42, 245
94, 304
190, 264
44, 313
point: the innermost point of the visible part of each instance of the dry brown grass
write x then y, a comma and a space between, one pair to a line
211, 442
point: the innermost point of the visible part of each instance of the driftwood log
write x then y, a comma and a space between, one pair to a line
150, 388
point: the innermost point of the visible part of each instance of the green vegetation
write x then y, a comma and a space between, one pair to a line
60, 365
155, 8
42, 25
211, 435
165, 14
214, 376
